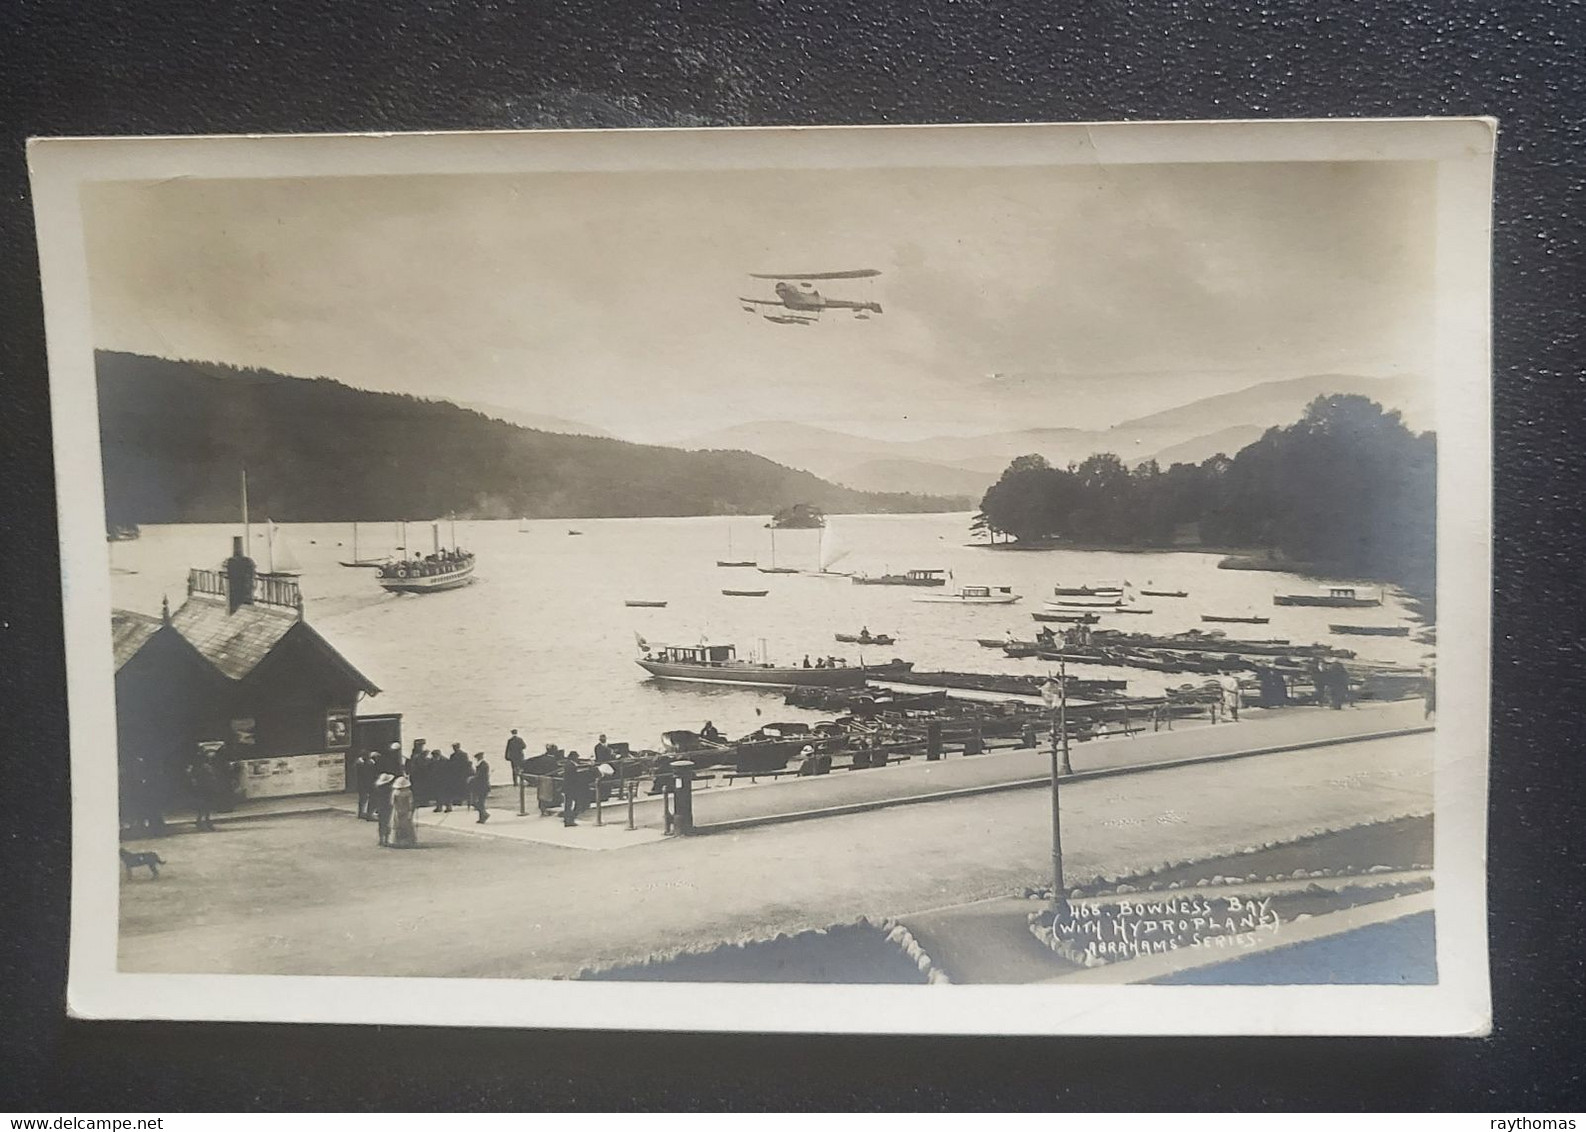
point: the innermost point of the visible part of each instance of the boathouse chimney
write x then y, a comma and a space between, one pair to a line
239, 577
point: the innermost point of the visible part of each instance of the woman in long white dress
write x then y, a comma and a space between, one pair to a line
403, 835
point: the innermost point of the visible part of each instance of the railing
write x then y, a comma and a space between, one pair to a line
211, 582
547, 792
266, 591
277, 591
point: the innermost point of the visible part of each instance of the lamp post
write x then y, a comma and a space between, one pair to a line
1060, 767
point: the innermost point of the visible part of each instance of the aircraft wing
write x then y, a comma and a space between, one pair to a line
860, 273
763, 302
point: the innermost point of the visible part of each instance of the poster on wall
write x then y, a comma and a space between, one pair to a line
244, 731
294, 774
338, 728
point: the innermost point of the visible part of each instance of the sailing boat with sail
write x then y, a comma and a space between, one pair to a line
356, 560
774, 568
824, 559
730, 560
280, 562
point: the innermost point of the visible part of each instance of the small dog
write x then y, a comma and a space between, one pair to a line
151, 860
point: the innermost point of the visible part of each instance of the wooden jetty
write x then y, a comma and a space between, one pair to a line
1205, 642
1002, 683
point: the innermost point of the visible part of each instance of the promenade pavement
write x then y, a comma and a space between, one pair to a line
917, 778
312, 894
718, 802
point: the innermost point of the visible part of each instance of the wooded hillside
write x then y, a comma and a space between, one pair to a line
175, 435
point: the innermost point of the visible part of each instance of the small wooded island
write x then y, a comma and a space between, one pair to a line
798, 517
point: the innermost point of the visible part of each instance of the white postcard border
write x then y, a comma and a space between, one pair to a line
1458, 1005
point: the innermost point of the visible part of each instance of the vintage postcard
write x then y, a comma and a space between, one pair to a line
977, 579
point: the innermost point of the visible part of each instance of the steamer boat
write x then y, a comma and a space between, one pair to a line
1333, 597
440, 570
912, 578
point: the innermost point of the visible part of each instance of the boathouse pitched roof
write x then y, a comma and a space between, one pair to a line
129, 632
235, 643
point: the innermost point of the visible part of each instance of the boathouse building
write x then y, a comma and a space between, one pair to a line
236, 670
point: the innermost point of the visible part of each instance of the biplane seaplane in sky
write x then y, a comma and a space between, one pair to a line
798, 301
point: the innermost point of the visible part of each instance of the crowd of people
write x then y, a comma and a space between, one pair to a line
563, 779
391, 786
1331, 682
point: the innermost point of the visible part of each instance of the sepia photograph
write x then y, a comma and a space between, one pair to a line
967, 579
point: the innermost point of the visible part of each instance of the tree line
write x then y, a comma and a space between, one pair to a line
175, 434
1347, 488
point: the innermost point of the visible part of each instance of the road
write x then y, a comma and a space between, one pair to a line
311, 894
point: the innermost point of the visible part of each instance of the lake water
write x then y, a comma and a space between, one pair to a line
542, 641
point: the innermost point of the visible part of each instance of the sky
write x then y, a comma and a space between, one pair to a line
1061, 296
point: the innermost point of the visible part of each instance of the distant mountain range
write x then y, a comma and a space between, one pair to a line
175, 435
968, 465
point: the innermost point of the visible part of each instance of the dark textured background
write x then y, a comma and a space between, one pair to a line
200, 66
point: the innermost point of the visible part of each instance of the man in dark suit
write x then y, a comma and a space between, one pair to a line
457, 777
515, 749
365, 770
479, 787
572, 789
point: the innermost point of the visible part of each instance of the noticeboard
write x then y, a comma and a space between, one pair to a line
294, 774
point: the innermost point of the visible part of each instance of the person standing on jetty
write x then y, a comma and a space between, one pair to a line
454, 791
1338, 682
1228, 691
382, 805
479, 787
515, 748
403, 835
204, 785
1274, 690
1320, 682
572, 789
364, 772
